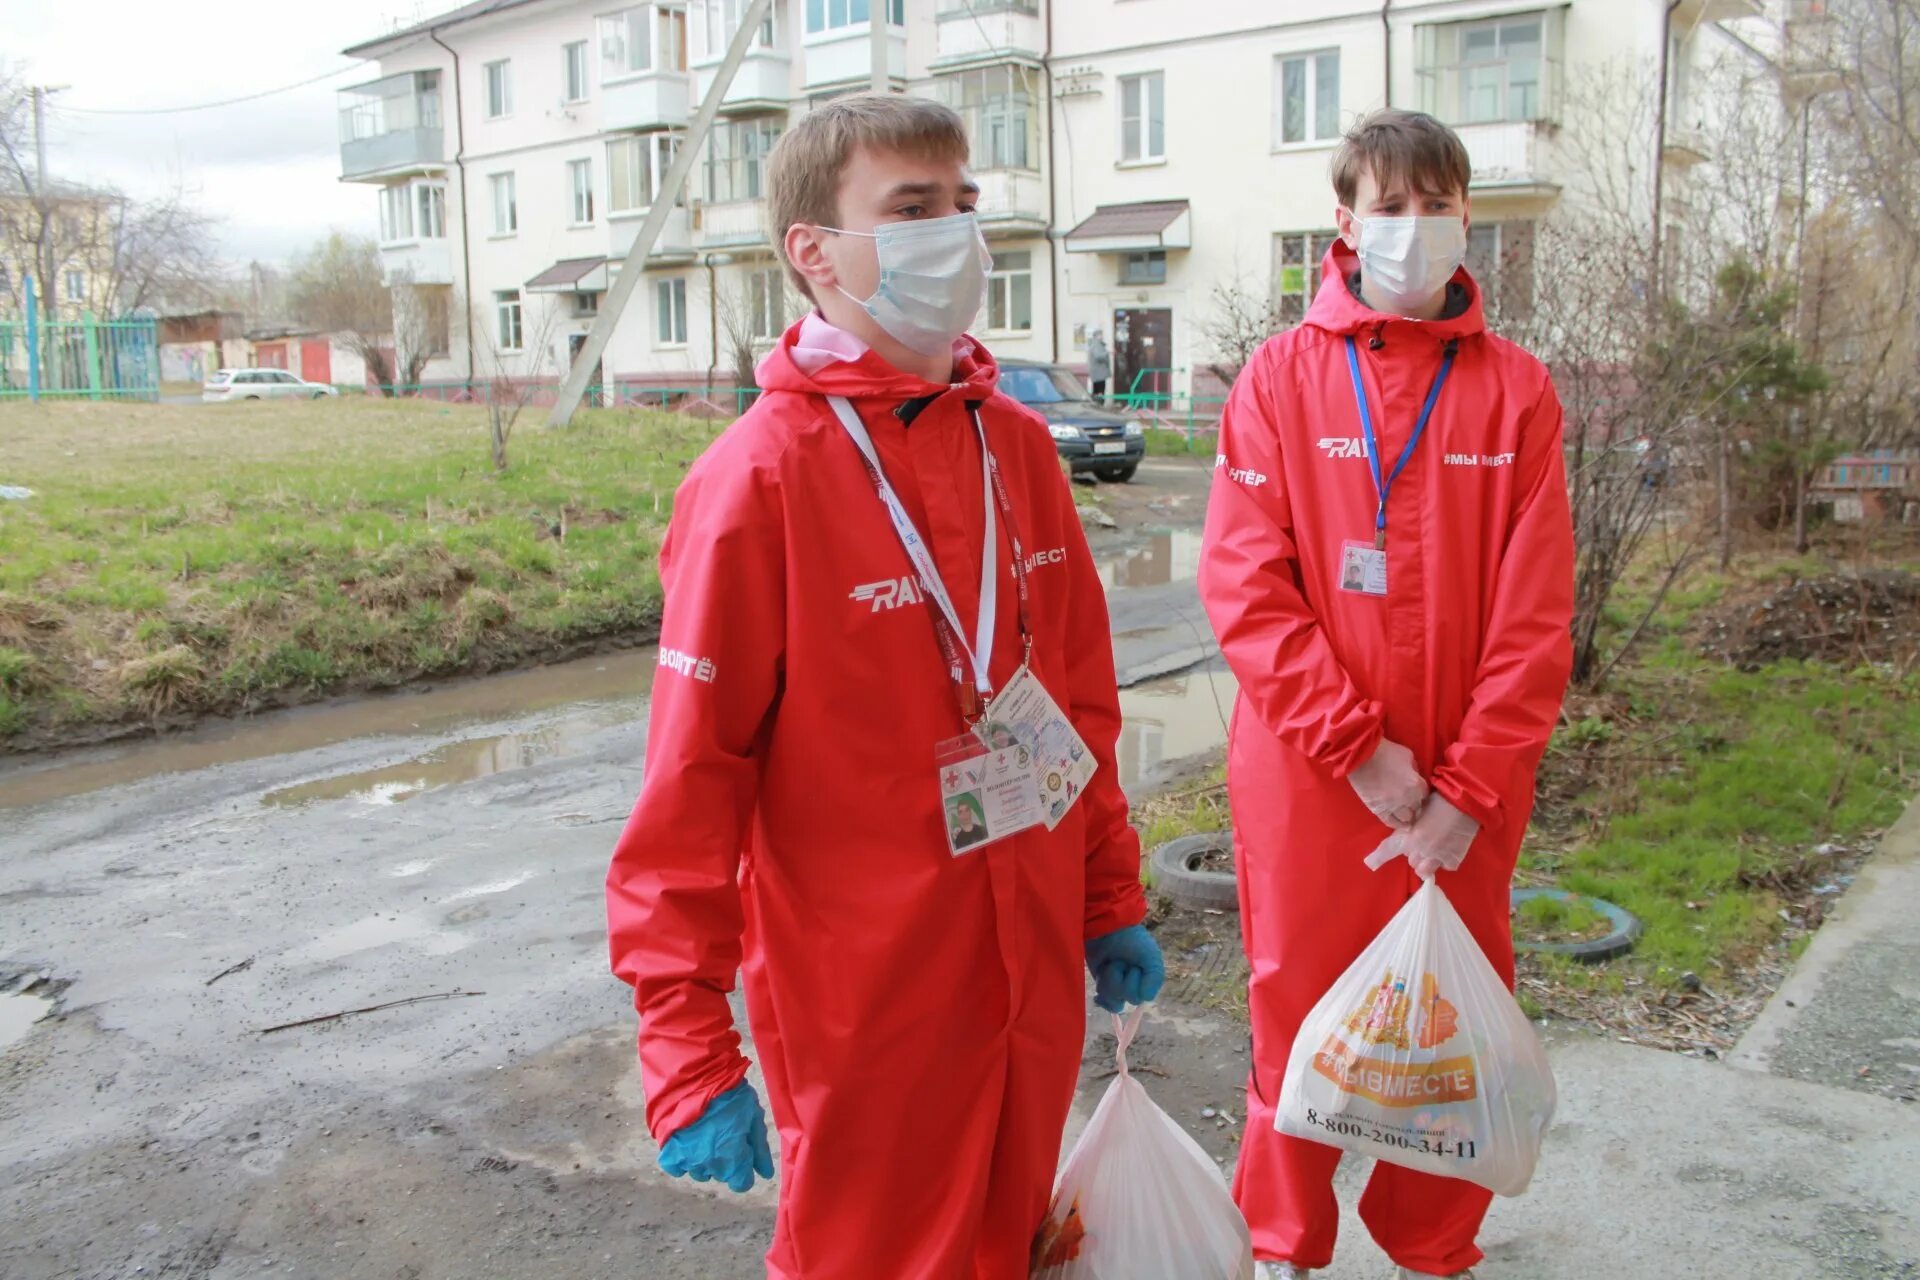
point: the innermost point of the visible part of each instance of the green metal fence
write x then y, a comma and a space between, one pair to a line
84, 359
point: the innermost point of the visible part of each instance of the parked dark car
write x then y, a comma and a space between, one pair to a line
1088, 436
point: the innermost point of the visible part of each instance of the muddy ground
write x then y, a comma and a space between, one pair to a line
164, 904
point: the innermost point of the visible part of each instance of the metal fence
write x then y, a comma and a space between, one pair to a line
84, 359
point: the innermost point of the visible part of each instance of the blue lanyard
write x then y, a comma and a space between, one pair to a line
1384, 486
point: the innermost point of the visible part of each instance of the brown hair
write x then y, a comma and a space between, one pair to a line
1398, 146
803, 173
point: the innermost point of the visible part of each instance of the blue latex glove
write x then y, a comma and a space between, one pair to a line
1126, 967
728, 1143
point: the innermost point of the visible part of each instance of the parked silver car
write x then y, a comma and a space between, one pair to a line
260, 384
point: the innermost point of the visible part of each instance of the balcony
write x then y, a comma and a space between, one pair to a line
647, 100
417, 262
763, 83
737, 224
1509, 159
674, 245
987, 30
1013, 202
391, 127
843, 56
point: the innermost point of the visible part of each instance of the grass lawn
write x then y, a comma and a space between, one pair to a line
184, 559
1725, 808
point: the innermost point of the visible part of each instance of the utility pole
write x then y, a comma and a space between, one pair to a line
877, 13
43, 195
40, 134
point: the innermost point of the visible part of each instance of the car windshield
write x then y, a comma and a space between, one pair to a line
1038, 384
222, 375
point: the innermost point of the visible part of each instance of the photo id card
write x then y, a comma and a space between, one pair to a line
1025, 714
986, 794
1363, 569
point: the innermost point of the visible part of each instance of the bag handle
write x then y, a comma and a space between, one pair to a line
1124, 1030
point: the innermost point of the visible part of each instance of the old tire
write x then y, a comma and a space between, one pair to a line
1177, 872
1626, 929
1117, 475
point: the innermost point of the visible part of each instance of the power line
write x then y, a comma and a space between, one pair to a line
208, 106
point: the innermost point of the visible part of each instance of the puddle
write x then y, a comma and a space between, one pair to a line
1169, 556
1167, 720
17, 1015
375, 931
618, 679
444, 766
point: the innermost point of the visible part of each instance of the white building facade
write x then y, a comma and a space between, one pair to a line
1136, 157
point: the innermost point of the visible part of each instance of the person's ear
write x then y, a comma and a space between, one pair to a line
1466, 212
806, 250
1348, 226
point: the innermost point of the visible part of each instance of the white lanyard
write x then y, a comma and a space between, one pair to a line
981, 652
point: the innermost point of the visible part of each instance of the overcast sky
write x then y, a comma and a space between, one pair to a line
269, 169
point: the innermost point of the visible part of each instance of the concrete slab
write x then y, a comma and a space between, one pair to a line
1849, 1015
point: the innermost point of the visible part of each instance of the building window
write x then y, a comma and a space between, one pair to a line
1296, 271
580, 183
644, 38
573, 58
1503, 69
76, 286
431, 199
997, 104
1144, 268
396, 214
670, 322
716, 21
767, 302
1010, 293
737, 158
506, 209
586, 304
637, 168
1143, 117
1500, 259
506, 309
1307, 98
832, 15
499, 89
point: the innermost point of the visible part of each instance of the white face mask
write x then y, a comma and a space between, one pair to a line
933, 278
1408, 260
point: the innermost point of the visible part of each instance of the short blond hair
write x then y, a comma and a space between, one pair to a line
1396, 146
803, 173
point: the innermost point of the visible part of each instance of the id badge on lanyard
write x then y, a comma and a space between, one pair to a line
1021, 764
1363, 566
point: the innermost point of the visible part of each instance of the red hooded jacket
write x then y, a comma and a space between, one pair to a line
918, 1017
1464, 661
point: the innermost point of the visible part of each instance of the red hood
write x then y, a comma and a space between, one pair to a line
1337, 311
870, 377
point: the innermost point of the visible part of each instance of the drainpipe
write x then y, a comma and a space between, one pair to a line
1386, 45
1053, 243
1660, 162
466, 209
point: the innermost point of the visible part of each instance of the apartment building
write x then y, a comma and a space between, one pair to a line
1135, 156
74, 276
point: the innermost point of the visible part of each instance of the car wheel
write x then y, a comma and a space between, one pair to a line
1117, 475
249, 397
318, 395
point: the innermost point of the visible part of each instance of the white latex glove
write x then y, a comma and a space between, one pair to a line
1390, 785
1437, 842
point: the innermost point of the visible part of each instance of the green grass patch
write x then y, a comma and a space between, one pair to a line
197, 558
1163, 443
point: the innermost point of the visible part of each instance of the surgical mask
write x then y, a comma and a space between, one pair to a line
1408, 260
933, 278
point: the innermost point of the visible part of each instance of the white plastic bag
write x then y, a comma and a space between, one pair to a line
1138, 1199
1419, 1056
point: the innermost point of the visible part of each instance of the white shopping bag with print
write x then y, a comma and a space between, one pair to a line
1138, 1199
1420, 1056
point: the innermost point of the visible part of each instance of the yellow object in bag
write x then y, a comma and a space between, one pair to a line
1420, 1056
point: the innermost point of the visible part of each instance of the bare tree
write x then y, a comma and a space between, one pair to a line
750, 323
1241, 316
508, 392
421, 315
338, 286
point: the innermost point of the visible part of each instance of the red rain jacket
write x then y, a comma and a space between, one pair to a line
918, 1017
1464, 662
